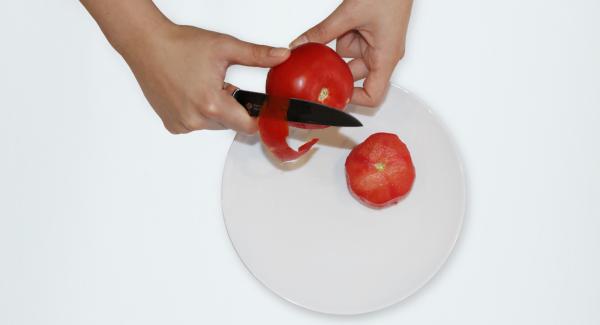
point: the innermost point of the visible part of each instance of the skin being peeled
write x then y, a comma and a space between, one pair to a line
313, 72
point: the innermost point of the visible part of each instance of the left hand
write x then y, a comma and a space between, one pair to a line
373, 34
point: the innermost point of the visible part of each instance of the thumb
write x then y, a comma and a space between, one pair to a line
250, 54
334, 26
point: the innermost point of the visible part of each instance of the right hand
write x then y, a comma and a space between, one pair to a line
181, 70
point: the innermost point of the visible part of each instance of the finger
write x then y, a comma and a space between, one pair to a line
335, 25
233, 116
203, 124
213, 125
358, 68
249, 54
176, 127
349, 45
374, 88
197, 121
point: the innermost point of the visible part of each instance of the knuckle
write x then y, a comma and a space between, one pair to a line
257, 52
248, 128
211, 110
222, 38
222, 42
317, 33
192, 124
400, 54
171, 128
377, 98
251, 128
374, 96
192, 121
368, 101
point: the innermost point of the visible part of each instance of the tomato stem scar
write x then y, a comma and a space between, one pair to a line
323, 94
380, 166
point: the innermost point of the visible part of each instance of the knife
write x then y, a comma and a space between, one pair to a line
299, 110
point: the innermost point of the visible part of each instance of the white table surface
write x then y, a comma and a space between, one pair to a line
105, 218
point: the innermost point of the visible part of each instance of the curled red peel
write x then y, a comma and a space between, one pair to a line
273, 129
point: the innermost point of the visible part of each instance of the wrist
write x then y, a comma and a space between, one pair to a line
140, 41
128, 25
140, 33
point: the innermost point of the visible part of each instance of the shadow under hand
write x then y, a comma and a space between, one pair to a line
247, 139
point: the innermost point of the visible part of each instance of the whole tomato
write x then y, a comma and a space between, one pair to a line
313, 72
380, 171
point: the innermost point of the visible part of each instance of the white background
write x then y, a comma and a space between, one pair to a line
105, 218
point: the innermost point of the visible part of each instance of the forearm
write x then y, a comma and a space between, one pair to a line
126, 23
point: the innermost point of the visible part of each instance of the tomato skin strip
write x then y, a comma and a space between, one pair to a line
273, 129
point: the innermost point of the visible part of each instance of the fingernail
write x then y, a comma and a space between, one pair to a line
299, 41
278, 51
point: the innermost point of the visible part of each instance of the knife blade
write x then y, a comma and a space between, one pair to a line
299, 110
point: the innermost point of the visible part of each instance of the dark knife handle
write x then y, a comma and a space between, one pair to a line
251, 101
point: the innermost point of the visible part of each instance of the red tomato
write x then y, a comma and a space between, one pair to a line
273, 128
313, 72
379, 171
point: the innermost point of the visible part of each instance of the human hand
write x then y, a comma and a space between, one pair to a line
181, 71
373, 34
